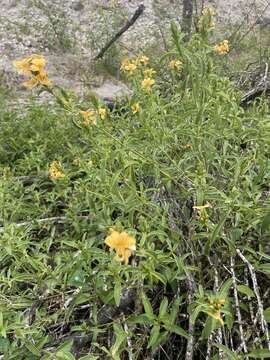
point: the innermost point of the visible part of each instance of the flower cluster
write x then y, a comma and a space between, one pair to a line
135, 108
89, 117
128, 66
214, 309
33, 66
122, 243
201, 209
175, 64
206, 20
222, 48
55, 171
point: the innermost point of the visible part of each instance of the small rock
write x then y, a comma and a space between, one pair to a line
112, 89
77, 6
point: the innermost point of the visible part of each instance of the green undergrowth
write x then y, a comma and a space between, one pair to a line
187, 176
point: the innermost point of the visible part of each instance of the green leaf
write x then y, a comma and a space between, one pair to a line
225, 288
227, 351
245, 290
153, 336
259, 354
215, 234
266, 222
210, 325
31, 347
147, 306
163, 307
264, 268
120, 338
64, 355
179, 331
267, 314
117, 293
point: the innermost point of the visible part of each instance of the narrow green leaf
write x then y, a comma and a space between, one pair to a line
266, 222
117, 293
244, 289
259, 354
153, 336
179, 331
215, 234
267, 314
31, 347
227, 351
147, 306
163, 307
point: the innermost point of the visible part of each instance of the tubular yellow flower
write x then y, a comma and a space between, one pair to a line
149, 73
143, 60
102, 113
222, 48
55, 171
89, 117
33, 66
122, 243
201, 207
128, 66
147, 83
175, 64
135, 108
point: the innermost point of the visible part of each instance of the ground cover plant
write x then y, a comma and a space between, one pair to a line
142, 231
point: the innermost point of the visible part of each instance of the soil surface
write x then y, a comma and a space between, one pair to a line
69, 33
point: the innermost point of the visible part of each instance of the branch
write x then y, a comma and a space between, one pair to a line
128, 24
251, 269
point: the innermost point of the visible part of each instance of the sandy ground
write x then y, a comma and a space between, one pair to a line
69, 32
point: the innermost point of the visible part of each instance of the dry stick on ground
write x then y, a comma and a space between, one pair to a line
237, 307
191, 291
251, 269
128, 24
262, 88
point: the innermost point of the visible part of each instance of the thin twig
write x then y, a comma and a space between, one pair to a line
128, 24
251, 269
237, 307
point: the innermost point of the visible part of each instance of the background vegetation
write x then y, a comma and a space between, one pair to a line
187, 176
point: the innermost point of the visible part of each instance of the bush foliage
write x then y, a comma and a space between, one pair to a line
180, 167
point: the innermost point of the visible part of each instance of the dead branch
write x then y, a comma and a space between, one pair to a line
187, 18
251, 269
237, 307
128, 24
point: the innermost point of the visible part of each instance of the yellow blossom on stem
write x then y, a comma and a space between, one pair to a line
201, 207
89, 117
55, 171
122, 243
149, 73
147, 83
143, 60
33, 66
128, 66
102, 113
222, 48
135, 108
175, 64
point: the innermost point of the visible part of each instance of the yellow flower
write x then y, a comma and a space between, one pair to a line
147, 83
122, 243
102, 113
215, 307
209, 11
187, 146
33, 66
175, 64
89, 117
135, 108
149, 73
55, 171
128, 66
222, 48
40, 78
143, 60
201, 207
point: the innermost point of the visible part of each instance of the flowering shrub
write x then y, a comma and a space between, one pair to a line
186, 265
